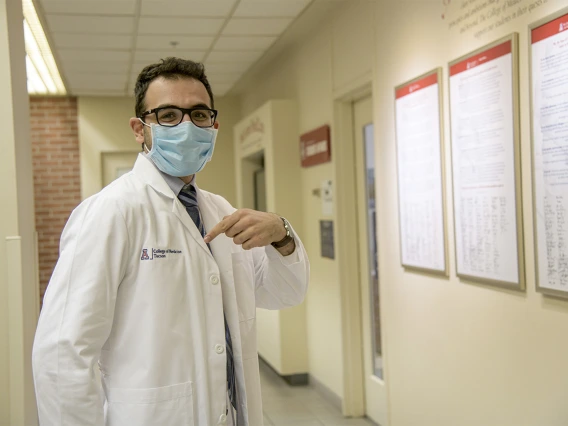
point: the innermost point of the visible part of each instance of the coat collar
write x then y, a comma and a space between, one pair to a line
148, 173
145, 170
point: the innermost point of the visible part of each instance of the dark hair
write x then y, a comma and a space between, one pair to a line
171, 69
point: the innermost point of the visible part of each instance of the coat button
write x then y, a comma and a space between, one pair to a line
219, 349
223, 419
214, 279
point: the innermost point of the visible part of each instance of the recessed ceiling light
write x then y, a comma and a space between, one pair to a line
43, 75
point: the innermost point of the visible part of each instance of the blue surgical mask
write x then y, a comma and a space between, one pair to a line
182, 150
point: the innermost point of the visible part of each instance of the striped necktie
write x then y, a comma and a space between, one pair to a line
188, 198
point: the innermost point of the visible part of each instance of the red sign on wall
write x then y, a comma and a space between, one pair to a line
315, 146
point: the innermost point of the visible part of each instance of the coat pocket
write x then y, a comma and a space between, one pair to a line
167, 405
243, 276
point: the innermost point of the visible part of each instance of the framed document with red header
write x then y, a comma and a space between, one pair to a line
419, 148
485, 144
549, 123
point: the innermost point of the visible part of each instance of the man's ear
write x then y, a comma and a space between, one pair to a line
138, 129
216, 125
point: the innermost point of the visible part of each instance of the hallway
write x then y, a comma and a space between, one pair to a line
285, 405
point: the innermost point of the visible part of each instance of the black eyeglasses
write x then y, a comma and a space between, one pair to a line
172, 116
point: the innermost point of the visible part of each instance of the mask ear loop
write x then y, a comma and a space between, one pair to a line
144, 147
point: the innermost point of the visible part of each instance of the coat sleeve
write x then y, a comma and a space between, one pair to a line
77, 315
281, 281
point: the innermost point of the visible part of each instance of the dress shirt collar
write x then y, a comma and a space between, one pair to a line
175, 183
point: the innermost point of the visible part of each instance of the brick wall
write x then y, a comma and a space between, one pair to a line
57, 189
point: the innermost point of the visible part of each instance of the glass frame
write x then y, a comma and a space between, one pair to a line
422, 265
537, 192
519, 284
184, 111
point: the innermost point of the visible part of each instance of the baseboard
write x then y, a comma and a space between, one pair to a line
301, 379
297, 379
307, 379
329, 395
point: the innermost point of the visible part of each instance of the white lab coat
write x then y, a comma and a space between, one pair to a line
137, 291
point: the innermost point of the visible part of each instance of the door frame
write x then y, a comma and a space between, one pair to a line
347, 247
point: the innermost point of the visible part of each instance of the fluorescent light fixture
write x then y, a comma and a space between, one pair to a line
43, 75
36, 85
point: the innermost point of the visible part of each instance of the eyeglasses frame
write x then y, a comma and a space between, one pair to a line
185, 111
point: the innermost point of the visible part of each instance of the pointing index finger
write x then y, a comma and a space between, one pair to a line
221, 227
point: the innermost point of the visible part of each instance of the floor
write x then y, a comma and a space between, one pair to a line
286, 405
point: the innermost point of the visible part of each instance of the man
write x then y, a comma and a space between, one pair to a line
165, 308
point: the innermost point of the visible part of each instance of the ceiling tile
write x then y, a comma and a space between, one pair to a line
225, 78
74, 55
92, 41
267, 26
97, 81
181, 26
90, 24
108, 93
244, 43
219, 67
143, 58
71, 66
213, 9
256, 8
81, 79
249, 57
183, 42
106, 86
90, 7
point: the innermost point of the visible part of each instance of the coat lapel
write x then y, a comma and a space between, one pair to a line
147, 172
180, 211
221, 247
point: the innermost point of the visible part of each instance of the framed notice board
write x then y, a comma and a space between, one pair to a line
485, 143
420, 173
549, 130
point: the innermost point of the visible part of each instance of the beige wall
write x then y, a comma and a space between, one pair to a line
456, 353
328, 61
462, 353
219, 175
103, 127
267, 138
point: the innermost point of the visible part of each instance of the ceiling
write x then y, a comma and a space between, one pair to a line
102, 45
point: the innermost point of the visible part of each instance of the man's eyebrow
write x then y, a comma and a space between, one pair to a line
166, 106
199, 105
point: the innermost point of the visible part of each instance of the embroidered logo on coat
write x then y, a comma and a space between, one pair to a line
157, 253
